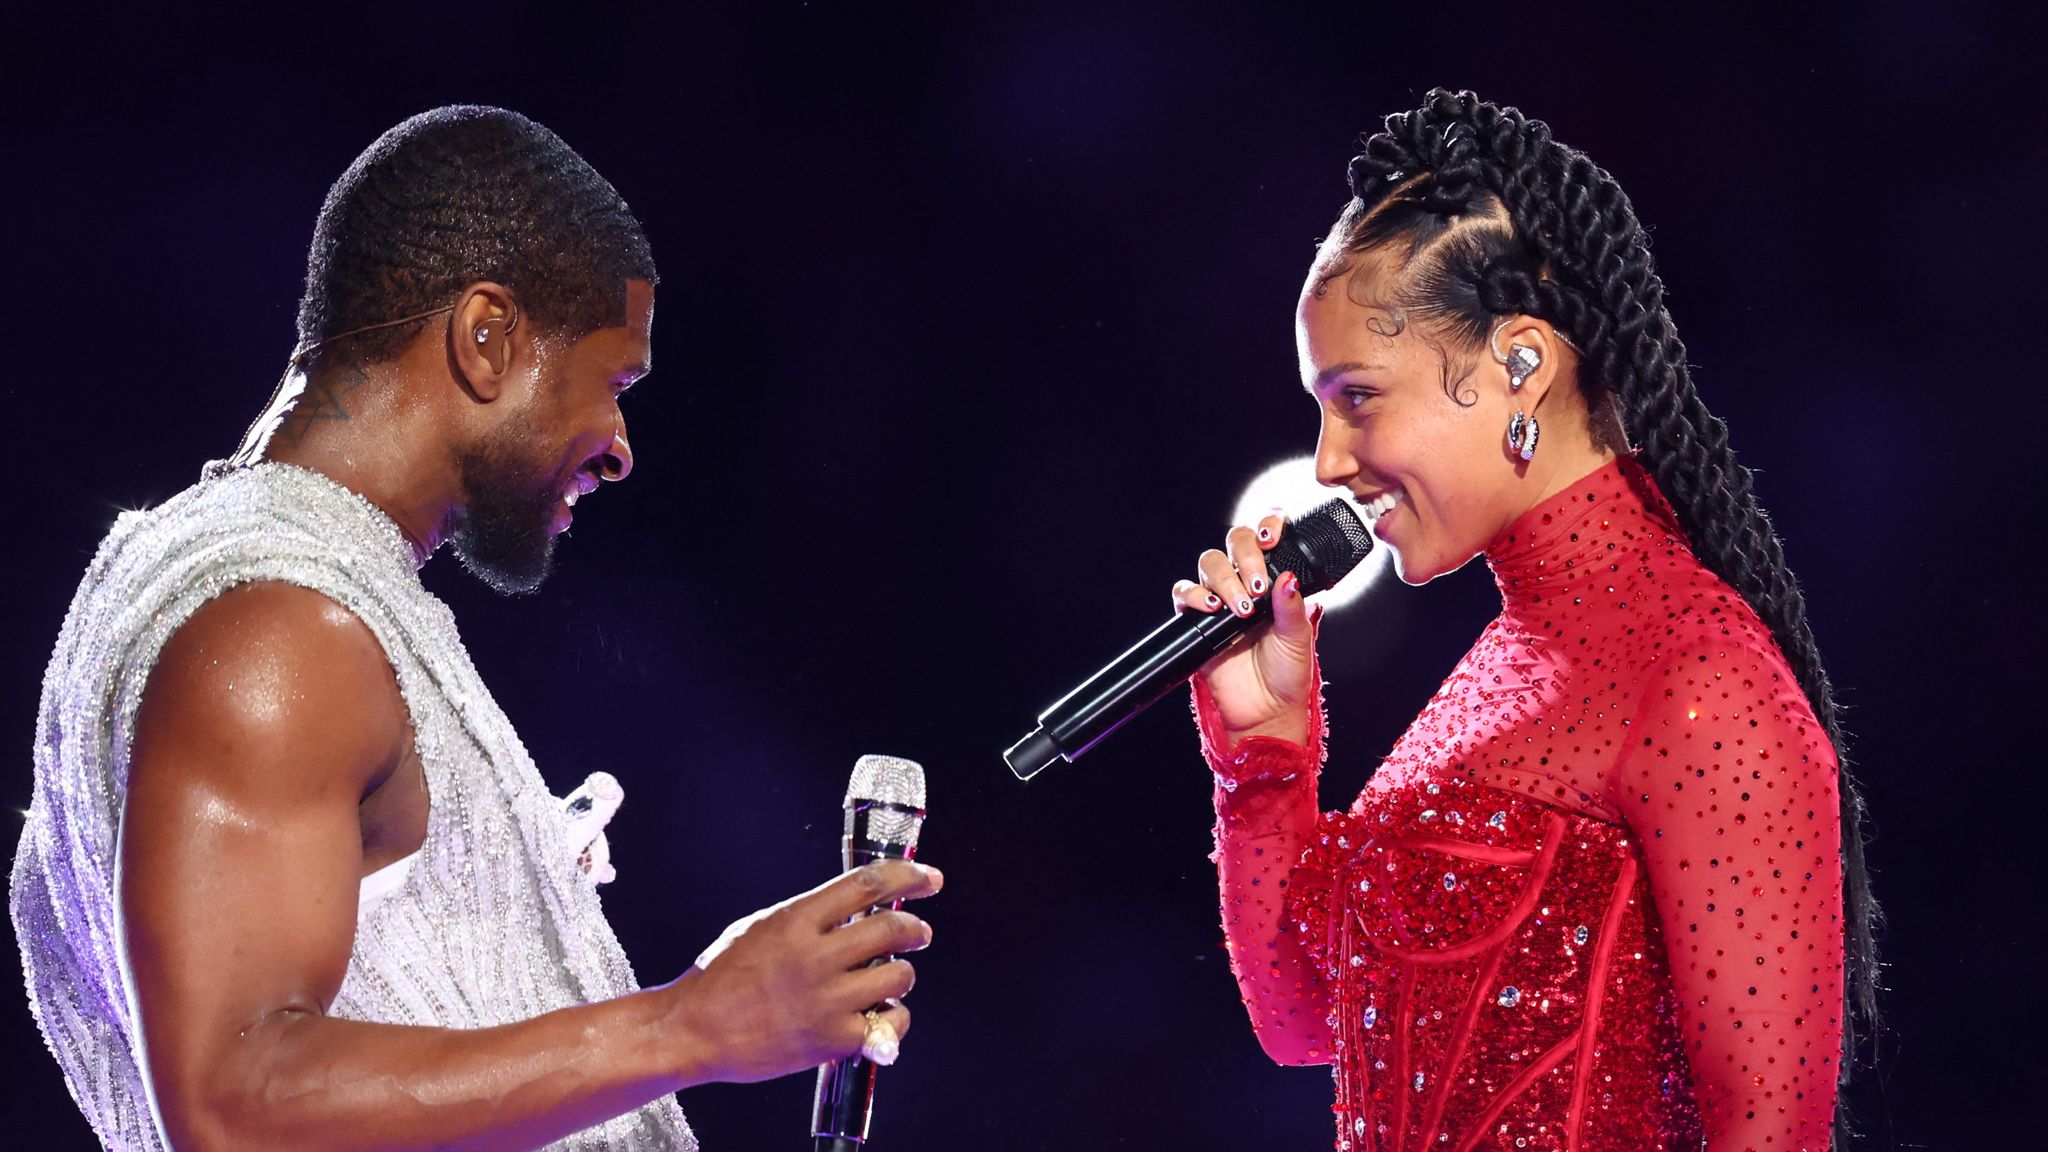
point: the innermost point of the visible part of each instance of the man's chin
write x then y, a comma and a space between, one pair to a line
507, 574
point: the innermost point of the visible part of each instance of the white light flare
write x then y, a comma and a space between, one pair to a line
1290, 488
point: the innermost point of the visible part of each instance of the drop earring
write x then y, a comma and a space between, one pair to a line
1522, 433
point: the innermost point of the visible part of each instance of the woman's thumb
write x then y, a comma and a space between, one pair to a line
1290, 611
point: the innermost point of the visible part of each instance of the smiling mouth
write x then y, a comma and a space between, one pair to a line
577, 490
1381, 504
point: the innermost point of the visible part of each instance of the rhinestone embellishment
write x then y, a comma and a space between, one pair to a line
1509, 996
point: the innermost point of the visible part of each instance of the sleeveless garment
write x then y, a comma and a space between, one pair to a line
493, 921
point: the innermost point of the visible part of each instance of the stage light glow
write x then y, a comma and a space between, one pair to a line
1290, 487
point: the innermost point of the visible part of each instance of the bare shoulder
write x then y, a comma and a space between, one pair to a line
276, 684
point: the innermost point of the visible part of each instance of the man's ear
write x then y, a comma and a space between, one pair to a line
485, 338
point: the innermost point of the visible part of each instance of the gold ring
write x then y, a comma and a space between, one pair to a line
879, 1042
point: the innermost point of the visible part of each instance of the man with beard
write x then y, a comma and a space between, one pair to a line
289, 878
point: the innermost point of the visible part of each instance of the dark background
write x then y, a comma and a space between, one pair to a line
974, 322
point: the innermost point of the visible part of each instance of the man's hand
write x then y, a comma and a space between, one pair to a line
786, 988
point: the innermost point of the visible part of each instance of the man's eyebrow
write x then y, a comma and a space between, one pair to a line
1324, 377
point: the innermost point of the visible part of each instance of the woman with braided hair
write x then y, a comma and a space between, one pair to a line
1607, 892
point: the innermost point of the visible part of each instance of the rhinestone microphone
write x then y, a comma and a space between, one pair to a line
884, 813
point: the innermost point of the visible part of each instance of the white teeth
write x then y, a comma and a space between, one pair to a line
569, 498
1381, 505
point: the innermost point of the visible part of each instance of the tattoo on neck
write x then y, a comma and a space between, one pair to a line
324, 400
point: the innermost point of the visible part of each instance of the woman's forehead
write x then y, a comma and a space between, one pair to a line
1344, 306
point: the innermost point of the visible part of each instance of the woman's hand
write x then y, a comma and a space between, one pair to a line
1260, 684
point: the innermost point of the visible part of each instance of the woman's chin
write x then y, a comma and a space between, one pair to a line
1412, 577
1415, 571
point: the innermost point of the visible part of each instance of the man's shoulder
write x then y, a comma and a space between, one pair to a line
272, 673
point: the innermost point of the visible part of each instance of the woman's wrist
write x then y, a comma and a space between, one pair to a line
1291, 727
1221, 739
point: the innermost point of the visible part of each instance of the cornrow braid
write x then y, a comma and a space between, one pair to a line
1532, 227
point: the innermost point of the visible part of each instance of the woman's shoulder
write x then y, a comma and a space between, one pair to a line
1687, 611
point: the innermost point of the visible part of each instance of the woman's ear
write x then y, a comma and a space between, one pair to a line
1530, 357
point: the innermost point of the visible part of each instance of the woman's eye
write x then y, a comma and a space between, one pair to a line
1354, 398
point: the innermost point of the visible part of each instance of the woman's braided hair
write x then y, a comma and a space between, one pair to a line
1497, 220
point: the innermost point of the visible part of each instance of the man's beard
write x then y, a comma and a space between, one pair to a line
502, 532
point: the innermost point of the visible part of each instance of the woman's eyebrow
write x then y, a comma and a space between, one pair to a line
1324, 377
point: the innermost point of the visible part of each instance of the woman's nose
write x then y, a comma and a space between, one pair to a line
1335, 465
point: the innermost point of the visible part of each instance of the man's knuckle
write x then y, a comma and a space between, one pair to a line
871, 879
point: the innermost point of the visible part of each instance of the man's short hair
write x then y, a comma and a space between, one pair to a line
454, 196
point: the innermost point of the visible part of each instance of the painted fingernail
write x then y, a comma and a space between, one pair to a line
1265, 534
1258, 585
1214, 602
1245, 607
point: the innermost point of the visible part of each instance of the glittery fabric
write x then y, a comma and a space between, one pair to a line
1592, 899
494, 922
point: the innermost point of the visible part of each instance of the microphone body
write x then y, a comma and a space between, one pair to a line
1320, 548
884, 813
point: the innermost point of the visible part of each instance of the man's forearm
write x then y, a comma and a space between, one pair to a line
307, 1081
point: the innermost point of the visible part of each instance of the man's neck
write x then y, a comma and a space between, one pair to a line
351, 425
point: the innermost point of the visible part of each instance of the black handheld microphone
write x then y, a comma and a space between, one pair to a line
1320, 548
884, 811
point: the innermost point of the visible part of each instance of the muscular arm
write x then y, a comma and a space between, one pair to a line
267, 719
1731, 788
1266, 817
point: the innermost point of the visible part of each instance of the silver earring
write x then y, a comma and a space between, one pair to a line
1522, 433
483, 335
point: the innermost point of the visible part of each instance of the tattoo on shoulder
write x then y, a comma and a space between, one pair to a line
325, 399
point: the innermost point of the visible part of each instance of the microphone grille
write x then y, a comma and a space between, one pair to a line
1322, 546
888, 780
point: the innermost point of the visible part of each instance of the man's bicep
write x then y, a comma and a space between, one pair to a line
240, 853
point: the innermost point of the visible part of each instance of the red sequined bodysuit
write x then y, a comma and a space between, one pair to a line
1592, 900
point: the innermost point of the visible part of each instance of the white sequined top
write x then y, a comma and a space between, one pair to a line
493, 921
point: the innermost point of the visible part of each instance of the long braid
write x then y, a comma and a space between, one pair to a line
1574, 254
